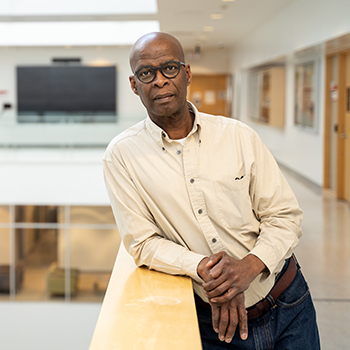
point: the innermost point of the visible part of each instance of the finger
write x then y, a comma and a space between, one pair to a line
214, 259
220, 291
223, 322
243, 319
212, 284
231, 286
215, 315
217, 269
224, 298
227, 266
231, 329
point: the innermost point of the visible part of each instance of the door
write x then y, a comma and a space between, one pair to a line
337, 126
344, 134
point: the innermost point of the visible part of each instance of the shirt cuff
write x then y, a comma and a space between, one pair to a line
268, 256
193, 271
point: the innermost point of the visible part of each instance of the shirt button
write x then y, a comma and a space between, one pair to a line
214, 240
178, 151
192, 181
163, 134
200, 211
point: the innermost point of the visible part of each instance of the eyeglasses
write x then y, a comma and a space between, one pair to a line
169, 70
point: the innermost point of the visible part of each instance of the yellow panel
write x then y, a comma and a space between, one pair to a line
91, 215
209, 94
4, 213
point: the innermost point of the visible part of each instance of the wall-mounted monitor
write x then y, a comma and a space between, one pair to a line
66, 94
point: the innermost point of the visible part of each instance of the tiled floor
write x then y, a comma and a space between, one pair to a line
324, 254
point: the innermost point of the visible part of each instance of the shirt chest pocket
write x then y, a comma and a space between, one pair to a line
233, 203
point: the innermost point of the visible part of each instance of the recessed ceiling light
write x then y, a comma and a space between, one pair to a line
216, 16
208, 28
227, 0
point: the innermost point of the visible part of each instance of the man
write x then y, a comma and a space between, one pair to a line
200, 195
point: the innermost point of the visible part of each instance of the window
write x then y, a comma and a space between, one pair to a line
56, 252
266, 95
306, 94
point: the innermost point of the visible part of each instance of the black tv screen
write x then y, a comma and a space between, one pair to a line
71, 93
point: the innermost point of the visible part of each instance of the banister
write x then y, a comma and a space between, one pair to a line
146, 310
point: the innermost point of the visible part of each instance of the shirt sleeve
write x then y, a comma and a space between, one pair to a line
276, 207
141, 236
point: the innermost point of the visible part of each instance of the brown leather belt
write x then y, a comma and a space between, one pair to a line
260, 308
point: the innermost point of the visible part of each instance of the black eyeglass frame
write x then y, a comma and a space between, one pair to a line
154, 70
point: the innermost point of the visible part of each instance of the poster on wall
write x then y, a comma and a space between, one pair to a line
305, 95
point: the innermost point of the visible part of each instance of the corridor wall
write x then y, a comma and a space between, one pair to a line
296, 33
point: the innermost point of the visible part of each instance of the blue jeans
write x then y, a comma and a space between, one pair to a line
289, 325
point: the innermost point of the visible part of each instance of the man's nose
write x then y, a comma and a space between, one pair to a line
160, 80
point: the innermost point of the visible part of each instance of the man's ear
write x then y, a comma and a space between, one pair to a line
133, 84
188, 74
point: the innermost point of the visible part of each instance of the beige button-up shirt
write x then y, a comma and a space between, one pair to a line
221, 191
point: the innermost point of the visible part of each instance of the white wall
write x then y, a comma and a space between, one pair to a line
303, 24
210, 61
69, 175
129, 109
49, 176
43, 326
52, 176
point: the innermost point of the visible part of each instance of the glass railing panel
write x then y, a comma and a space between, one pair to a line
36, 255
38, 214
91, 215
4, 264
92, 255
4, 214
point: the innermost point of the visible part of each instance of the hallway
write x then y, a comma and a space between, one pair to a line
324, 255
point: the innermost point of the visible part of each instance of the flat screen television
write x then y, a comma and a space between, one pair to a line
66, 93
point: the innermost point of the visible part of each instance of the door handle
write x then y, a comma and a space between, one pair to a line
342, 135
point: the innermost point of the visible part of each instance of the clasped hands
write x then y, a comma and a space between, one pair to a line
225, 280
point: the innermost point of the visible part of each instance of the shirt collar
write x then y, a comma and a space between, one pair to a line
159, 135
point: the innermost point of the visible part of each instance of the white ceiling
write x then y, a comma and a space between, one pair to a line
186, 19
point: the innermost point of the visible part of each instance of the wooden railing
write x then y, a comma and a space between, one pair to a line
146, 310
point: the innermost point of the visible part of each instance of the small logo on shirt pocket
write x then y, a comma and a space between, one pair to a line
239, 178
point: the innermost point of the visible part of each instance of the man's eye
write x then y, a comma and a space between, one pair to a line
145, 72
170, 68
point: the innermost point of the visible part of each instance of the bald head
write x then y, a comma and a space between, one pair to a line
159, 43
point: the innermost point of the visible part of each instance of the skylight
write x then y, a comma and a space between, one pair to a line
74, 33
76, 7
